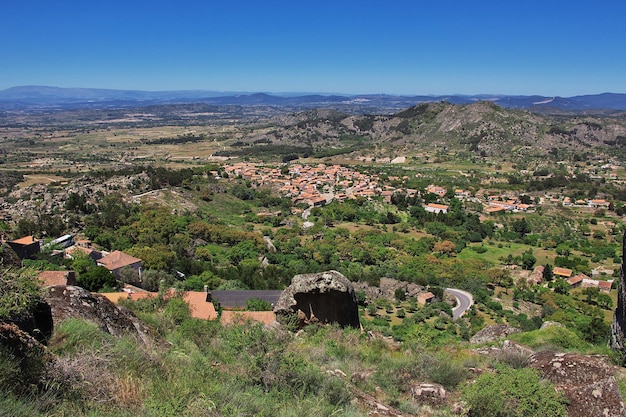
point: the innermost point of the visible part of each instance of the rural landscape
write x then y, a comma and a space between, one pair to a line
255, 255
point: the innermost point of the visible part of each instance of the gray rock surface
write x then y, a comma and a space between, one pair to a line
69, 301
587, 381
493, 333
325, 297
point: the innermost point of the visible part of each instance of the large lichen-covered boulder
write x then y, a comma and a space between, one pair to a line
618, 327
325, 297
69, 301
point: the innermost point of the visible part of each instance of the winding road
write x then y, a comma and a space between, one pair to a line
464, 301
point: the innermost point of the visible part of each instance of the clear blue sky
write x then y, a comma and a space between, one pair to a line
398, 47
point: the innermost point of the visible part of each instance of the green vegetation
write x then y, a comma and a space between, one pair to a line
513, 392
198, 225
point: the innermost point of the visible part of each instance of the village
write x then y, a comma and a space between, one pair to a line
318, 185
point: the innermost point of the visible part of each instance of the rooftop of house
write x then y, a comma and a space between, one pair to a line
26, 240
52, 278
563, 272
117, 259
199, 306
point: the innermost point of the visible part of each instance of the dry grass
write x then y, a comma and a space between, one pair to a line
33, 179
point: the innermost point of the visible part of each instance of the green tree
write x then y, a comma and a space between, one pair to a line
96, 278
604, 301
400, 294
528, 260
548, 272
561, 286
521, 227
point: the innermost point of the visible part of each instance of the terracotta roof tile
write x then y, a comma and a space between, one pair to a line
116, 260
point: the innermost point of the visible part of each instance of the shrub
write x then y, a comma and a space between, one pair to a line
513, 393
18, 293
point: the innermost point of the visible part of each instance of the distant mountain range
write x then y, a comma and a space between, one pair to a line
41, 97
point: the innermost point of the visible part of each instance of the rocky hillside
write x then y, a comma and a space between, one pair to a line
482, 127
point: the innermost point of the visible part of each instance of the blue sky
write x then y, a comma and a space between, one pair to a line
396, 47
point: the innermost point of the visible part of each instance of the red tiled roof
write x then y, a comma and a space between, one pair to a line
51, 278
575, 279
563, 272
199, 306
116, 260
26, 240
438, 206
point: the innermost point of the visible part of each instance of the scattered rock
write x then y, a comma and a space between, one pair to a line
325, 297
547, 324
362, 376
429, 393
588, 382
493, 333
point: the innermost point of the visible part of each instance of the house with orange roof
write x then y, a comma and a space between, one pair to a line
118, 260
199, 305
605, 286
53, 278
495, 210
424, 298
436, 208
562, 272
576, 281
26, 246
598, 203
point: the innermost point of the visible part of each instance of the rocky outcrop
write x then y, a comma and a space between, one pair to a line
618, 327
325, 297
588, 382
69, 301
493, 333
8, 257
387, 288
36, 321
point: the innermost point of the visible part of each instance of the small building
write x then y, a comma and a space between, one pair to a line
61, 242
199, 305
576, 281
605, 286
436, 208
562, 272
495, 210
425, 298
53, 278
26, 246
118, 260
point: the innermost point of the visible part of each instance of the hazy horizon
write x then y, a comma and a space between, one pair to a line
552, 48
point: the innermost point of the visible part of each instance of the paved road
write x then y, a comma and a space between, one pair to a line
464, 301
